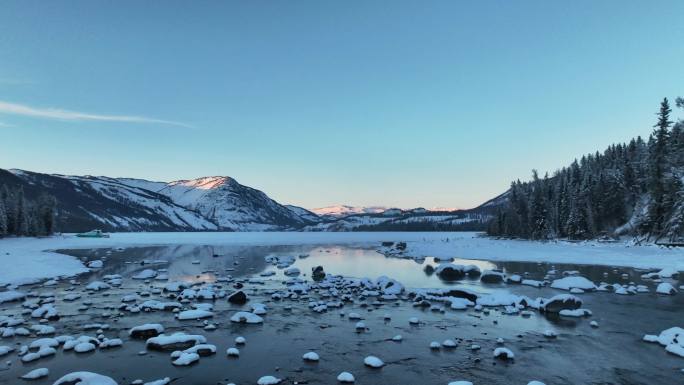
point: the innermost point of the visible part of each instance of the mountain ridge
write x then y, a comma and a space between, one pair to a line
211, 203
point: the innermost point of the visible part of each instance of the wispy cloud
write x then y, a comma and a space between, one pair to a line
60, 114
14, 81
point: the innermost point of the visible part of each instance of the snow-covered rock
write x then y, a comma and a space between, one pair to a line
503, 354
492, 276
85, 378
44, 342
11, 296
573, 282
162, 381
43, 330
246, 317
194, 314
346, 378
258, 308
450, 271
667, 272
185, 359
268, 380
5, 350
146, 331
561, 302
47, 311
109, 343
202, 349
174, 341
666, 288
97, 286
373, 362
145, 274
354, 316
36, 374
84, 347
42, 352
672, 339
84, 341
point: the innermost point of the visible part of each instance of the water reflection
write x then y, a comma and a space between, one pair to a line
208, 263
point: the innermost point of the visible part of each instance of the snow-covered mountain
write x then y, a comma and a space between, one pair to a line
85, 202
405, 220
227, 203
498, 201
304, 213
216, 203
339, 211
125, 204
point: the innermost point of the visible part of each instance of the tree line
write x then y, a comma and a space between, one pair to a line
26, 217
419, 226
631, 188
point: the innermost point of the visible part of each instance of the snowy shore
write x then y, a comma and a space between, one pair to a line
26, 260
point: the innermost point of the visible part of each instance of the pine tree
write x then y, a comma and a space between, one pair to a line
538, 214
10, 209
22, 220
664, 115
576, 227
46, 210
3, 218
657, 168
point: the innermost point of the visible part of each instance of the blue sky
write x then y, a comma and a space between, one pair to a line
401, 103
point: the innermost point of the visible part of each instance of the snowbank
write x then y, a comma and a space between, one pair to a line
472, 246
23, 261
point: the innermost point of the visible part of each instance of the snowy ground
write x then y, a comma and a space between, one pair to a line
27, 259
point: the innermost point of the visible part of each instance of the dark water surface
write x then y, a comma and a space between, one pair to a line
610, 354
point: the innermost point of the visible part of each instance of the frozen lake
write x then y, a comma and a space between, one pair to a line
613, 353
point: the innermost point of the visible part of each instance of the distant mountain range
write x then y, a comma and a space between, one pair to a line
339, 211
215, 203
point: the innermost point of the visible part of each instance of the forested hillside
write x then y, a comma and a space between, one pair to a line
20, 215
634, 188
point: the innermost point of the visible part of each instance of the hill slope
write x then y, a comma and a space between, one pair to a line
231, 205
635, 188
84, 203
